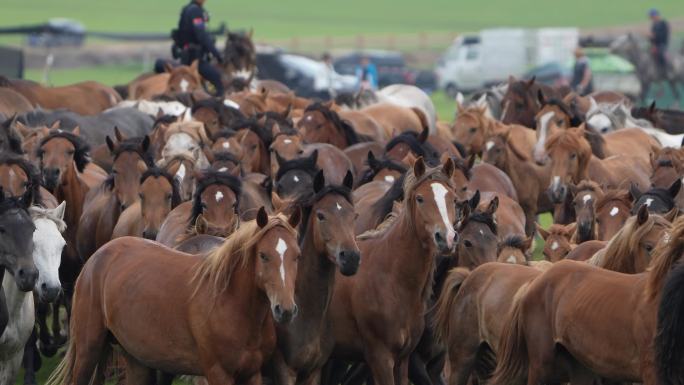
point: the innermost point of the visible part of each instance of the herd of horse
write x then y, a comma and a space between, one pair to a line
263, 237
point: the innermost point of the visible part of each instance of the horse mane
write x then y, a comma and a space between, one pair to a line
157, 172
134, 145
307, 201
462, 165
38, 212
252, 124
217, 268
515, 242
660, 194
377, 165
571, 140
613, 195
14, 138
424, 149
303, 164
32, 174
209, 178
225, 156
618, 255
347, 129
667, 254
284, 123
11, 203
485, 218
165, 119
383, 206
590, 185
81, 147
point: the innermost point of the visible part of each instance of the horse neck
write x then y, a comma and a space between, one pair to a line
243, 297
15, 298
410, 261
595, 167
73, 190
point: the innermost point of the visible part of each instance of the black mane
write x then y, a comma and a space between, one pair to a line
13, 137
32, 173
350, 134
410, 138
157, 172
484, 218
209, 178
135, 145
82, 148
303, 164
514, 241
253, 125
164, 119
384, 205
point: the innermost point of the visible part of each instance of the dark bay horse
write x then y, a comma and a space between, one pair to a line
592, 334
229, 297
383, 328
520, 103
328, 244
321, 124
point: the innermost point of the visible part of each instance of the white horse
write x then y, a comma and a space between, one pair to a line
605, 118
153, 107
47, 254
405, 95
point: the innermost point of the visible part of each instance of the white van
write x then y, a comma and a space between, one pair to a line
476, 61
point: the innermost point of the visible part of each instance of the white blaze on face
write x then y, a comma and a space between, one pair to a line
556, 182
287, 141
223, 169
230, 103
295, 178
649, 201
511, 259
184, 85
338, 206
389, 178
218, 196
180, 174
600, 122
543, 128
614, 211
586, 198
281, 248
489, 145
440, 192
554, 246
225, 145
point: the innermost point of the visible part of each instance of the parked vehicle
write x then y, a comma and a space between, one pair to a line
476, 61
58, 33
392, 69
307, 77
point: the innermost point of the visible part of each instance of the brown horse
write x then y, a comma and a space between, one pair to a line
572, 162
585, 195
510, 217
520, 103
469, 178
103, 205
478, 234
393, 118
515, 249
250, 103
612, 210
200, 304
490, 290
158, 196
358, 155
328, 243
85, 98
217, 198
580, 330
382, 324
322, 124
17, 175
175, 79
558, 241
668, 165
13, 103
506, 151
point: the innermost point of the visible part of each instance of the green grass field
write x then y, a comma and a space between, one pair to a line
274, 19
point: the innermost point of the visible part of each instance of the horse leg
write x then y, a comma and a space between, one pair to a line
216, 375
401, 372
164, 378
435, 367
417, 371
282, 373
357, 374
334, 372
59, 339
381, 362
31, 361
137, 373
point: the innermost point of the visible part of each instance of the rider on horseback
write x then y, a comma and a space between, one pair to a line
192, 42
660, 37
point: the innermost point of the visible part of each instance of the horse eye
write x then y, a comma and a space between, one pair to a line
263, 257
168, 197
71, 152
649, 248
419, 199
320, 216
573, 155
559, 122
473, 129
467, 243
464, 188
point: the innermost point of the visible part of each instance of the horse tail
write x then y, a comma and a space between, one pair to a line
62, 373
512, 358
424, 122
446, 303
669, 339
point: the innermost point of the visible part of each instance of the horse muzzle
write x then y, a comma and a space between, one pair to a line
584, 230
282, 315
26, 278
48, 293
51, 178
348, 262
446, 243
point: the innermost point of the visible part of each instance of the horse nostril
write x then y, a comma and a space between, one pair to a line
43, 286
439, 238
295, 310
278, 310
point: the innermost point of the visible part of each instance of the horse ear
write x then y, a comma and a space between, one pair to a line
423, 135
527, 244
76, 131
419, 167
145, 145
409, 159
543, 233
570, 229
471, 161
540, 97
262, 217
531, 81
110, 144
465, 212
642, 215
448, 167
56, 124
275, 130
201, 224
58, 212
371, 158
319, 182
592, 104
278, 202
295, 217
493, 205
160, 113
675, 187
459, 101
348, 180
194, 65
672, 214
22, 129
119, 136
474, 201
652, 107
313, 158
634, 192
168, 67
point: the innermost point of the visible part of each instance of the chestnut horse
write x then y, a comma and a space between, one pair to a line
612, 210
328, 243
104, 205
520, 103
18, 175
321, 124
490, 290
558, 241
584, 198
382, 324
470, 177
580, 330
201, 304
175, 79
515, 249
572, 162
158, 196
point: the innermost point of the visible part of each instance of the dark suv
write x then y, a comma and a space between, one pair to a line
391, 66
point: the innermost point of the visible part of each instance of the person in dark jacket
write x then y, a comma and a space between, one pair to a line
582, 77
193, 42
660, 38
